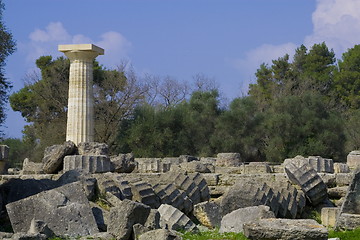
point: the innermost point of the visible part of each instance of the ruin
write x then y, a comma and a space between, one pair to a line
80, 118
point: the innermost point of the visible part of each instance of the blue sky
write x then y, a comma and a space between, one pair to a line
225, 40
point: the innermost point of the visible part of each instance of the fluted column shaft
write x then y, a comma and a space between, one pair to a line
80, 115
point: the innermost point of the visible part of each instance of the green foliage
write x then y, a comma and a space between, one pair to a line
238, 129
7, 47
19, 150
302, 125
345, 235
213, 235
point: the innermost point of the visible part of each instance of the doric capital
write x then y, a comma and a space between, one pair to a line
84, 52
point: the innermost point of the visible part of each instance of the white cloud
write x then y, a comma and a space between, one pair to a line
263, 54
337, 22
46, 41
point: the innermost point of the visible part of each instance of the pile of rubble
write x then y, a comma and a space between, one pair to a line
79, 191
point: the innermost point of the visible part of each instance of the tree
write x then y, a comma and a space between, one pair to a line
7, 47
238, 129
43, 101
302, 125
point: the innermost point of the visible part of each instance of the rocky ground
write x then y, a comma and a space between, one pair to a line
80, 191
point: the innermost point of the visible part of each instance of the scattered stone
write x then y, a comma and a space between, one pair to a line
144, 193
208, 214
65, 210
88, 164
285, 229
319, 164
92, 149
337, 192
4, 152
159, 234
196, 166
341, 168
309, 181
54, 156
255, 168
329, 215
100, 215
123, 163
174, 219
124, 216
353, 159
233, 222
30, 167
349, 216
228, 160
187, 158
152, 165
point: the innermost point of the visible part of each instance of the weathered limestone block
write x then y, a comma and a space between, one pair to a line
309, 181
186, 184
343, 179
278, 169
337, 192
89, 164
144, 193
285, 229
329, 215
17, 189
65, 210
124, 216
151, 165
208, 214
318, 163
54, 156
123, 163
92, 149
233, 222
174, 219
212, 179
341, 168
256, 168
228, 170
101, 216
197, 166
201, 184
170, 195
159, 234
31, 167
228, 160
110, 186
88, 182
353, 159
349, 217
4, 152
187, 158
267, 196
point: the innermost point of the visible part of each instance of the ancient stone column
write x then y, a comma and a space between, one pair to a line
80, 116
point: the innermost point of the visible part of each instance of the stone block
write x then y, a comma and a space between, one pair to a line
228, 159
285, 229
88, 164
256, 168
65, 210
196, 166
124, 216
347, 221
353, 159
159, 234
343, 179
31, 167
329, 215
212, 179
208, 214
4, 152
234, 221
309, 181
123, 163
278, 169
228, 170
202, 186
144, 193
93, 149
341, 168
152, 165
318, 163
337, 192
54, 156
174, 219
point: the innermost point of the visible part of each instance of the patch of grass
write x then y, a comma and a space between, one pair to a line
214, 234
345, 235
